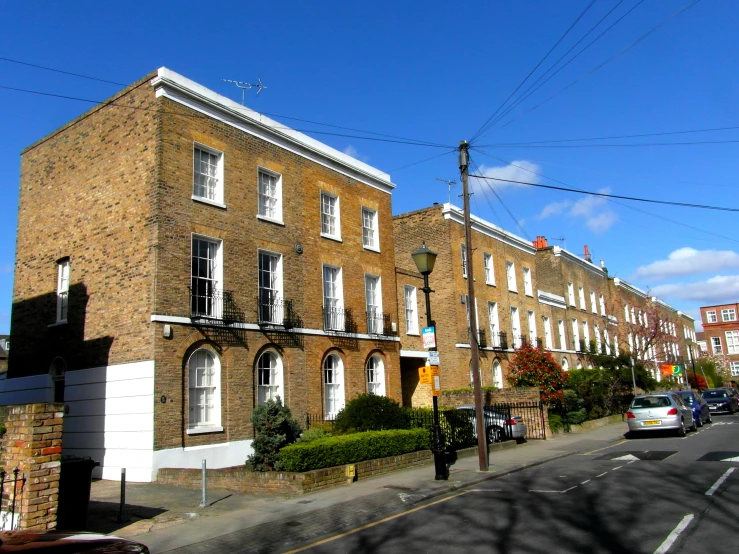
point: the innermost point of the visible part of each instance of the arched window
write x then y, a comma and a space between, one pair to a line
565, 364
204, 399
269, 377
333, 380
497, 374
375, 376
578, 365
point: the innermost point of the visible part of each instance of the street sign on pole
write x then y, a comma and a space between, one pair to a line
429, 337
424, 375
433, 357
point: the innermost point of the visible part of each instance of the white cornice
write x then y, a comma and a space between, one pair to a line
197, 97
456, 215
572, 258
629, 287
551, 299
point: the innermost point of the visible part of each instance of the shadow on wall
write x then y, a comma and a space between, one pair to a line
38, 339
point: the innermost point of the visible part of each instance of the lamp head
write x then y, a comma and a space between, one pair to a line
424, 259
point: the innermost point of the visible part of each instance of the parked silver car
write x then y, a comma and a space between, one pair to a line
498, 427
654, 412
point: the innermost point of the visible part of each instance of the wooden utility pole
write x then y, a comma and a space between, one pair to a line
482, 445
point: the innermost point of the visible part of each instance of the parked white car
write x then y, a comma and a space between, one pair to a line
654, 412
498, 426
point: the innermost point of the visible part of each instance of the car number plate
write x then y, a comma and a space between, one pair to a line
652, 422
711, 407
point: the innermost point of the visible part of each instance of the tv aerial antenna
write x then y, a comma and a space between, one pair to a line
450, 184
246, 86
562, 240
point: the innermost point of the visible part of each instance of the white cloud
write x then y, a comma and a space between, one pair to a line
7, 268
716, 290
350, 150
591, 209
517, 170
689, 261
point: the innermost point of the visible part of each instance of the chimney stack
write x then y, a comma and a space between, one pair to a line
540, 242
587, 254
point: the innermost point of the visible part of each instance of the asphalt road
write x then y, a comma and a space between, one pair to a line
653, 494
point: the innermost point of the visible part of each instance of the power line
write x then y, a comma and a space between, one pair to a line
64, 72
528, 92
680, 223
625, 145
616, 55
483, 126
424, 160
510, 213
605, 195
199, 116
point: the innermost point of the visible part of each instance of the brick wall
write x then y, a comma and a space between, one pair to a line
279, 483
455, 398
33, 444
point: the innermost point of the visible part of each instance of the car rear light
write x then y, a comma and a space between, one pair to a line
629, 415
510, 421
672, 411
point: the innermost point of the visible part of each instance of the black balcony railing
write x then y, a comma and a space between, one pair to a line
519, 341
579, 345
338, 320
274, 310
482, 338
499, 341
375, 322
209, 303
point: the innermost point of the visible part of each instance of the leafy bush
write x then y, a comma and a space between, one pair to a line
313, 434
555, 423
577, 417
535, 367
357, 447
274, 428
370, 412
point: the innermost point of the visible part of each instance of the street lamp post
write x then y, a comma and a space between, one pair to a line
425, 260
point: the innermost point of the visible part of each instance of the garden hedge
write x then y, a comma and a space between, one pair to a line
349, 449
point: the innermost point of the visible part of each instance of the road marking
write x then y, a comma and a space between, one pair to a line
368, 525
601, 475
611, 446
587, 481
485, 490
566, 490
557, 492
630, 457
631, 462
672, 537
545, 491
615, 468
717, 484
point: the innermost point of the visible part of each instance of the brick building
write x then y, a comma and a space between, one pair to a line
181, 258
721, 332
524, 292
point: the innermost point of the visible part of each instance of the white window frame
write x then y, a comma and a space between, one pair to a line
326, 217
728, 314
463, 252
598, 342
373, 304
515, 327
277, 198
531, 319
375, 375
487, 260
336, 320
510, 269
716, 345
606, 341
593, 306
497, 374
212, 308
571, 294
333, 393
494, 324
548, 343
410, 297
734, 367
527, 285
372, 231
565, 364
195, 424
711, 316
562, 335
732, 342
602, 301
586, 335
218, 194
64, 271
274, 385
575, 334
273, 293
626, 313
581, 295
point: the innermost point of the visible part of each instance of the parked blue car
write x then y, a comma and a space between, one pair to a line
701, 413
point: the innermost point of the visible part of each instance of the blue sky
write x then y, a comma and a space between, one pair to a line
434, 72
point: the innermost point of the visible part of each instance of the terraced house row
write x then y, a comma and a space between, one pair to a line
181, 259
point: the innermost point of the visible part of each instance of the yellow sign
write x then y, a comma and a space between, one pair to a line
436, 386
424, 375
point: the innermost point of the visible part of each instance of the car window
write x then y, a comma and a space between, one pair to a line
651, 402
714, 394
687, 398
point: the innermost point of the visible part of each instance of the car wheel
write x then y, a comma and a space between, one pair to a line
495, 434
694, 427
709, 419
681, 432
699, 421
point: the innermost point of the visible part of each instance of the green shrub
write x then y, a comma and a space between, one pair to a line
457, 429
357, 447
576, 417
274, 428
370, 412
314, 434
555, 423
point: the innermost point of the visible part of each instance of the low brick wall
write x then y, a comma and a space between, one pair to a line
282, 483
594, 424
452, 399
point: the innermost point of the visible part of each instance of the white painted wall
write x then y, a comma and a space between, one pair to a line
26, 390
227, 454
111, 418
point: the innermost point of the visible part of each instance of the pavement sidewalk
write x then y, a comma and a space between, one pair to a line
167, 518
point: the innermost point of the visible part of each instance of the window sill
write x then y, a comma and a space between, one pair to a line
203, 430
491, 284
413, 334
531, 294
270, 220
371, 249
209, 202
513, 290
331, 237
57, 324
